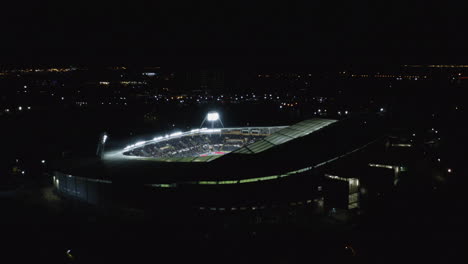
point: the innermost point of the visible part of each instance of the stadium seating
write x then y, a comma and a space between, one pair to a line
194, 145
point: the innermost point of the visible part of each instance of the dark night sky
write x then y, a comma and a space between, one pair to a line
45, 32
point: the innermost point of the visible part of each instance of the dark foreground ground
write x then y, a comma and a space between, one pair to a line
417, 225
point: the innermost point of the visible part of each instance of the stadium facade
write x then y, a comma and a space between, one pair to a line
228, 169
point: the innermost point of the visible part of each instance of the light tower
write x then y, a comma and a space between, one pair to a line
212, 117
101, 144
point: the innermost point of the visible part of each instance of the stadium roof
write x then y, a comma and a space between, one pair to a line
286, 134
305, 144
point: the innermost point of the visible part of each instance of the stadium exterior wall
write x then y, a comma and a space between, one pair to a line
88, 190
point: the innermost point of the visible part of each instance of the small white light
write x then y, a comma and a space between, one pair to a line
42, 161
449, 170
20, 108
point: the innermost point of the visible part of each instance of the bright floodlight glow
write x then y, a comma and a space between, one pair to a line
104, 138
175, 134
157, 138
212, 116
139, 143
211, 131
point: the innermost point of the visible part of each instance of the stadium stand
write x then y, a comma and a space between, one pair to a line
195, 145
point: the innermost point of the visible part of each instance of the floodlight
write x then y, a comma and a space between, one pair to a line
212, 116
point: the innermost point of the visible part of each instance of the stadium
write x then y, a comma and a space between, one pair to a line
223, 168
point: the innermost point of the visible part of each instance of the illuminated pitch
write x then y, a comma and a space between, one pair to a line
215, 153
